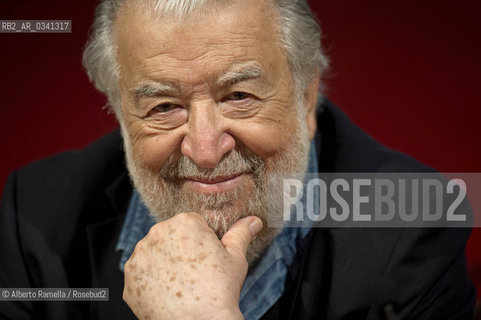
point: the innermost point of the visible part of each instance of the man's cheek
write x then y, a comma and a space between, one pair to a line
153, 151
264, 140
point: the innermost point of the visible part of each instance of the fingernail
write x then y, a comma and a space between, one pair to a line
255, 226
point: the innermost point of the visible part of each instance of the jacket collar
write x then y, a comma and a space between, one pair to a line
102, 237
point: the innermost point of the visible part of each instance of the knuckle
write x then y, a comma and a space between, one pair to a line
139, 247
128, 269
125, 295
240, 237
238, 240
239, 258
155, 231
243, 262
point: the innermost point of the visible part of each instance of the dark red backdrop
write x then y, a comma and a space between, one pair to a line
408, 72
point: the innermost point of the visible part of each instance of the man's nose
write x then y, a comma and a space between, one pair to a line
206, 141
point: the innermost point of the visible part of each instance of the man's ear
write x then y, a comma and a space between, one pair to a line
310, 97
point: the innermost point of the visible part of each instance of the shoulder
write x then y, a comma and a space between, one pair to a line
62, 190
93, 162
346, 148
427, 264
51, 218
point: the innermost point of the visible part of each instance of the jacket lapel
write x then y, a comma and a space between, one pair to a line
102, 239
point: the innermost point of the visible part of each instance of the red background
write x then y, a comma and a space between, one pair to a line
407, 72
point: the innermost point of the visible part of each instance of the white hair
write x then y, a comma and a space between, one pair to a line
300, 36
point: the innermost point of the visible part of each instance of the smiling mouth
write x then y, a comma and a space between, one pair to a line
217, 184
219, 179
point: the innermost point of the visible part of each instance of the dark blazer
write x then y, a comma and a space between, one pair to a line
60, 220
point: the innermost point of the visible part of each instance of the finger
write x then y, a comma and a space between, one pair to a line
240, 235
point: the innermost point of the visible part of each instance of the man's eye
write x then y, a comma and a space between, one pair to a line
237, 96
165, 107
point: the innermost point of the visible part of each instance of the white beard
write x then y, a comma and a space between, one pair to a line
163, 195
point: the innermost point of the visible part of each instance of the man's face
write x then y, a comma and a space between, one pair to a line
208, 110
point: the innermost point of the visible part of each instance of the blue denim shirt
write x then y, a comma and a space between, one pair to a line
263, 285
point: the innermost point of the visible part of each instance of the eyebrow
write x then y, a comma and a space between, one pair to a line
232, 77
228, 78
150, 89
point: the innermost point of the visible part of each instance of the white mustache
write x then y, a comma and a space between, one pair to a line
234, 163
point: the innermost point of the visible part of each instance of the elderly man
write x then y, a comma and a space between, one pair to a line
212, 97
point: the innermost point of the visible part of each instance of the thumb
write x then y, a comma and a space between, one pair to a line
237, 239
